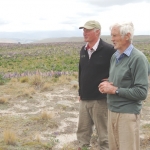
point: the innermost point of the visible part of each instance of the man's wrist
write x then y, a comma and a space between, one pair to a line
117, 92
115, 89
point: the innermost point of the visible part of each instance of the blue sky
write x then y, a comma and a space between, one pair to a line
68, 15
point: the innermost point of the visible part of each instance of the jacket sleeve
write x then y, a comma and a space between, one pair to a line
139, 72
79, 78
79, 74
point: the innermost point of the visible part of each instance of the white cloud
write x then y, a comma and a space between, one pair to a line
138, 13
106, 3
42, 15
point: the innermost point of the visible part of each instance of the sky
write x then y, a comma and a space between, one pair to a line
68, 15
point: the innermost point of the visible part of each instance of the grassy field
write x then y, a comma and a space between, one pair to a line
43, 57
61, 57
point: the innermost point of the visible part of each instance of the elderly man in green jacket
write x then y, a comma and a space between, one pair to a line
126, 87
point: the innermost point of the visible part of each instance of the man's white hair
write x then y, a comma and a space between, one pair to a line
125, 27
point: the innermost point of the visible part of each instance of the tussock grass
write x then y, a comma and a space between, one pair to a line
52, 142
3, 100
36, 80
24, 79
62, 107
75, 74
38, 137
46, 86
28, 92
145, 143
10, 137
146, 126
45, 115
13, 80
68, 147
54, 79
75, 86
14, 87
63, 79
47, 118
2, 80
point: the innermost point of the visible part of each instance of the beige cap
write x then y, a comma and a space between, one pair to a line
91, 24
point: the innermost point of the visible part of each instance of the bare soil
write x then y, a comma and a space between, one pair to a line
55, 130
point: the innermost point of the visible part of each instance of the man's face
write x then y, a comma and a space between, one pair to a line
89, 35
119, 41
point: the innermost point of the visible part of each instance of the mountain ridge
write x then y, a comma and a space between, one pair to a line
107, 38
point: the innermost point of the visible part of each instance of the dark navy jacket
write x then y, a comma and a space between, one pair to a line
93, 70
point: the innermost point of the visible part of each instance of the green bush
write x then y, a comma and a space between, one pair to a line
2, 80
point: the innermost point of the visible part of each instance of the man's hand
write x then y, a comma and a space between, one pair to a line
79, 98
107, 87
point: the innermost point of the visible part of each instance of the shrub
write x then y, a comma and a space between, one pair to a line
2, 80
36, 80
24, 79
3, 100
46, 86
46, 115
9, 137
29, 92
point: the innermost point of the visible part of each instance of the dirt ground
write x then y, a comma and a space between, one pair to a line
46, 120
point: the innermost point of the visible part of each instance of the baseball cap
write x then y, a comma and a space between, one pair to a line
91, 24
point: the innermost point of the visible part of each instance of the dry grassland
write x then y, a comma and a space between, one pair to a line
41, 114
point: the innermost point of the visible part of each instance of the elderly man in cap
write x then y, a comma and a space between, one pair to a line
93, 69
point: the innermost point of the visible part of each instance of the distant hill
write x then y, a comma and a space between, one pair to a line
7, 41
62, 39
68, 39
107, 38
31, 36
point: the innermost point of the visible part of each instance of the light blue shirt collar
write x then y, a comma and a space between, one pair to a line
127, 52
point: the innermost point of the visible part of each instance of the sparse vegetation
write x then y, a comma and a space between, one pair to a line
10, 137
29, 92
2, 80
24, 79
68, 147
26, 59
46, 115
3, 100
36, 80
46, 86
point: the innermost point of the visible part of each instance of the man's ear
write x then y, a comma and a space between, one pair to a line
97, 32
128, 35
